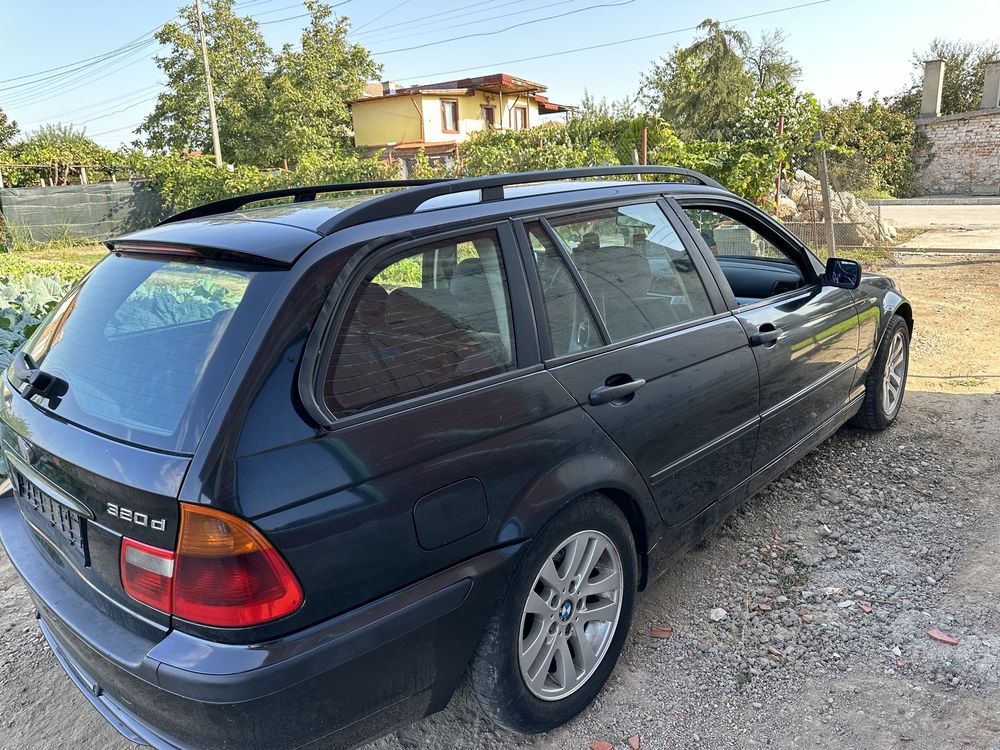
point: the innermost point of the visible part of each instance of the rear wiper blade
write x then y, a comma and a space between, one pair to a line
39, 382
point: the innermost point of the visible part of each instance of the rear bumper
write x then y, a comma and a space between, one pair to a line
343, 681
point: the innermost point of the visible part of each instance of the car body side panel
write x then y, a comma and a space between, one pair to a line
691, 429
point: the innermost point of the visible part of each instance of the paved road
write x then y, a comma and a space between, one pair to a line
948, 227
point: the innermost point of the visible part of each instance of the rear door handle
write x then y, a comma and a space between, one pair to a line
765, 336
608, 393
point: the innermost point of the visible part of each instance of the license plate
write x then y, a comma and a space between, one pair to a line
55, 517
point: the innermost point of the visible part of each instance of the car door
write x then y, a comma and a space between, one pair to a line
635, 328
803, 334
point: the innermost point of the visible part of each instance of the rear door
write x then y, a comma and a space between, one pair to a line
804, 336
639, 335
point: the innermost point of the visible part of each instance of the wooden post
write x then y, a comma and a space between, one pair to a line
824, 186
777, 180
208, 86
645, 146
83, 175
1, 179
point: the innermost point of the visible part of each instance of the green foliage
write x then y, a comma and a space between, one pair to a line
964, 69
269, 106
700, 89
8, 130
239, 57
758, 120
24, 302
747, 167
59, 145
184, 181
544, 147
874, 147
310, 87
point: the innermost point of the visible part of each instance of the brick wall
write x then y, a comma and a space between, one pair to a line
965, 150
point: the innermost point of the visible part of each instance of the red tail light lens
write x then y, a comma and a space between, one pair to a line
223, 573
227, 574
147, 573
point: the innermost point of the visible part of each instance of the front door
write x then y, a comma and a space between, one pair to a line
645, 346
804, 335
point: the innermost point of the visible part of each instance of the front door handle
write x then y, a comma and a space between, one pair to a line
607, 394
766, 336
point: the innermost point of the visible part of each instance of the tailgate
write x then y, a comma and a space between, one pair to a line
78, 493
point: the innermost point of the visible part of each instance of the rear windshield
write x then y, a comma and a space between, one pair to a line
146, 345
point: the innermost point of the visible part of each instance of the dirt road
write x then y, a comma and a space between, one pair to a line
831, 580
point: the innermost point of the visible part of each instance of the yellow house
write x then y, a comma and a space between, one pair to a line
439, 116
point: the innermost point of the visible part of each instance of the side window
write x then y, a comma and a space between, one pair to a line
432, 318
635, 267
731, 238
571, 326
754, 267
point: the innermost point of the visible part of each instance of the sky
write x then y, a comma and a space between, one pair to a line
843, 46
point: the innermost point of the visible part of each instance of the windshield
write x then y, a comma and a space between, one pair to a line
146, 346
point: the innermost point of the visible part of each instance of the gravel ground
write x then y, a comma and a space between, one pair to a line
801, 622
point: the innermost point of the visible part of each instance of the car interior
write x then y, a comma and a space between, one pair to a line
754, 267
431, 319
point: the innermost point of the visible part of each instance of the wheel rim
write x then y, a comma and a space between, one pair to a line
570, 616
895, 375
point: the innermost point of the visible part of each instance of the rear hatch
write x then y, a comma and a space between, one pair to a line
139, 353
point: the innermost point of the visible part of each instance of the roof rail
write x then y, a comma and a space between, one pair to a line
301, 194
491, 189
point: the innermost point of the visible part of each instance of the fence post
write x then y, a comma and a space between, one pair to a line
824, 186
83, 175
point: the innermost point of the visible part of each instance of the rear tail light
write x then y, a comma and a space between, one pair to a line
147, 573
223, 573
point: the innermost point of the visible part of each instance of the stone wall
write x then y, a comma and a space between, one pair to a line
965, 153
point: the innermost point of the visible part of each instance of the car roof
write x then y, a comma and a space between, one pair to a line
282, 232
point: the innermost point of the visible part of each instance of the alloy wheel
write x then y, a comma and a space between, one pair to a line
570, 615
895, 374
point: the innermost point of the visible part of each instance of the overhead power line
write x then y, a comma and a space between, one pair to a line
508, 28
603, 45
380, 16
436, 24
450, 13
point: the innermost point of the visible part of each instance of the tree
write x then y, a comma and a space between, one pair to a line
239, 58
759, 117
269, 106
310, 87
770, 63
62, 146
699, 89
874, 147
8, 130
964, 70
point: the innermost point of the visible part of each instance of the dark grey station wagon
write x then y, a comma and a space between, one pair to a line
286, 476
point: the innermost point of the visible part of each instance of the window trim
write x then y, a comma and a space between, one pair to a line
336, 306
514, 125
776, 235
490, 124
444, 120
717, 300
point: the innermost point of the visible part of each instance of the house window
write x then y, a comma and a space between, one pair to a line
449, 115
489, 115
519, 118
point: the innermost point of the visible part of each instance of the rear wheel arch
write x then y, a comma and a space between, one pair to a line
629, 506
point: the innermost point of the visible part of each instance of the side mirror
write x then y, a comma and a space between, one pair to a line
843, 273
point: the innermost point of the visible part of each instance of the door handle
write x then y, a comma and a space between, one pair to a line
609, 393
766, 336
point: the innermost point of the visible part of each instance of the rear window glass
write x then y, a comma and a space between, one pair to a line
146, 345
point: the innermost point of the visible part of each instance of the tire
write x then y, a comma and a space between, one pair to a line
880, 409
498, 681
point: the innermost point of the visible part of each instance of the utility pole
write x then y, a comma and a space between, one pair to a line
208, 86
